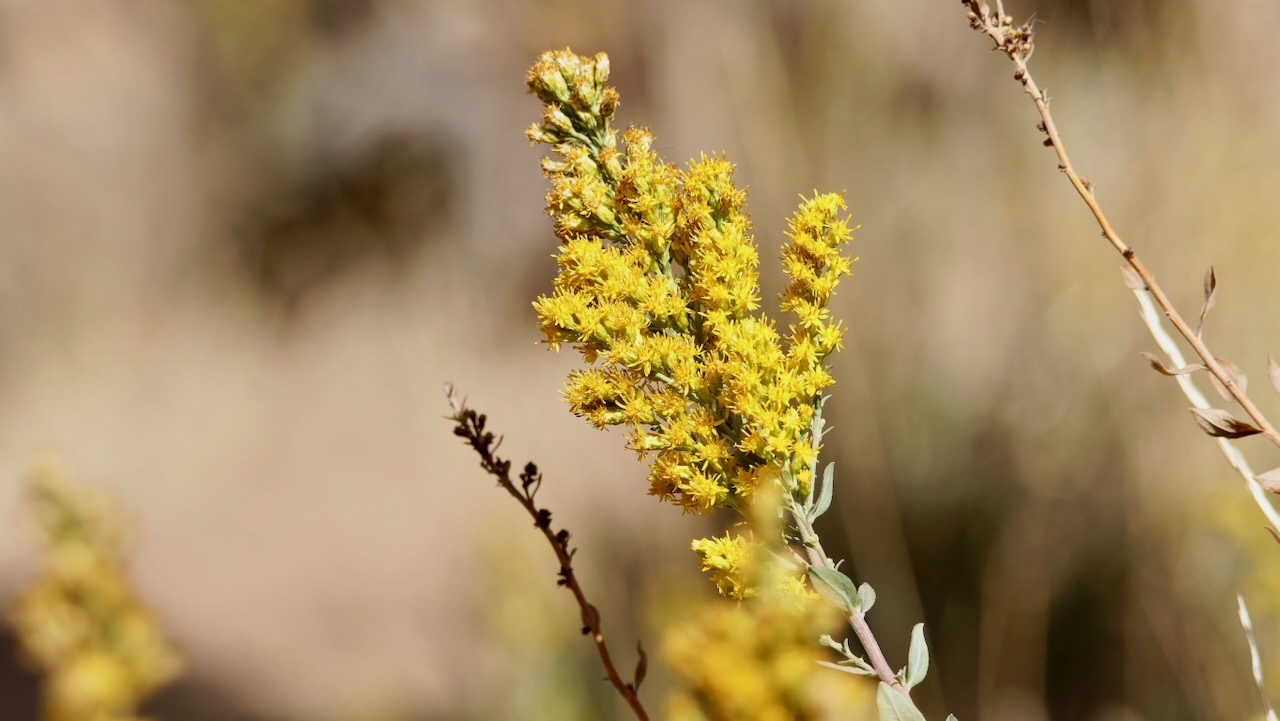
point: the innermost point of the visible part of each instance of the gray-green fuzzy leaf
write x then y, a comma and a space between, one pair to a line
866, 597
849, 668
824, 492
894, 706
917, 657
835, 587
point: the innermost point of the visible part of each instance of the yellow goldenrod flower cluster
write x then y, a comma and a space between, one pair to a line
744, 563
735, 568
729, 561
100, 650
756, 661
657, 288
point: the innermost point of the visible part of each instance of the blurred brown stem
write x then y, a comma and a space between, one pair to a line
470, 426
1016, 43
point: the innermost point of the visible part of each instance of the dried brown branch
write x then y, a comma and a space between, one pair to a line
471, 427
1257, 485
1016, 42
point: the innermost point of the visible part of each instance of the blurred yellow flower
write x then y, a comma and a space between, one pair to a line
100, 650
756, 661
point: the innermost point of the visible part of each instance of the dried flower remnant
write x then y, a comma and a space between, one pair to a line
99, 648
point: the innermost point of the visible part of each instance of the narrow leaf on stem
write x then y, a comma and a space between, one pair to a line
866, 597
894, 706
642, 666
1233, 372
849, 668
1219, 424
917, 658
1269, 480
835, 587
1162, 369
825, 493
1210, 292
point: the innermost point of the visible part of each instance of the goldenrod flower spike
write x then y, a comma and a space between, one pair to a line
757, 660
728, 560
658, 287
99, 648
658, 282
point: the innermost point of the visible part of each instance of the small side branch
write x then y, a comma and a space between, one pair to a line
1151, 318
1255, 658
471, 427
1015, 41
857, 621
816, 556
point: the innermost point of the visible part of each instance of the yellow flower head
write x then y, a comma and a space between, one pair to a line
100, 649
658, 286
756, 661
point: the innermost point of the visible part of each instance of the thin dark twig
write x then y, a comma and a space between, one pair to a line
471, 427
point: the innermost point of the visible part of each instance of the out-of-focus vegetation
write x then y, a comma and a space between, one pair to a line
99, 649
244, 242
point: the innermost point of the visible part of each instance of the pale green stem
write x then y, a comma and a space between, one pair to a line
857, 619
818, 557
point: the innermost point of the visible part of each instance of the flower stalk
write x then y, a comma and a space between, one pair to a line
658, 290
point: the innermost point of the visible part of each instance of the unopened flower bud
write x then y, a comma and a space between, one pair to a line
602, 69
553, 83
538, 134
556, 118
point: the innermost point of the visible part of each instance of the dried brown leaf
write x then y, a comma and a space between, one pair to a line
1210, 292
590, 618
1162, 369
1132, 280
642, 666
1274, 533
1219, 424
1269, 480
1233, 372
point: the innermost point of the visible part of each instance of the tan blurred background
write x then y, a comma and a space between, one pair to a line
243, 242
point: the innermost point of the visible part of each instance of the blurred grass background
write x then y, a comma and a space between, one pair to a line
245, 242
